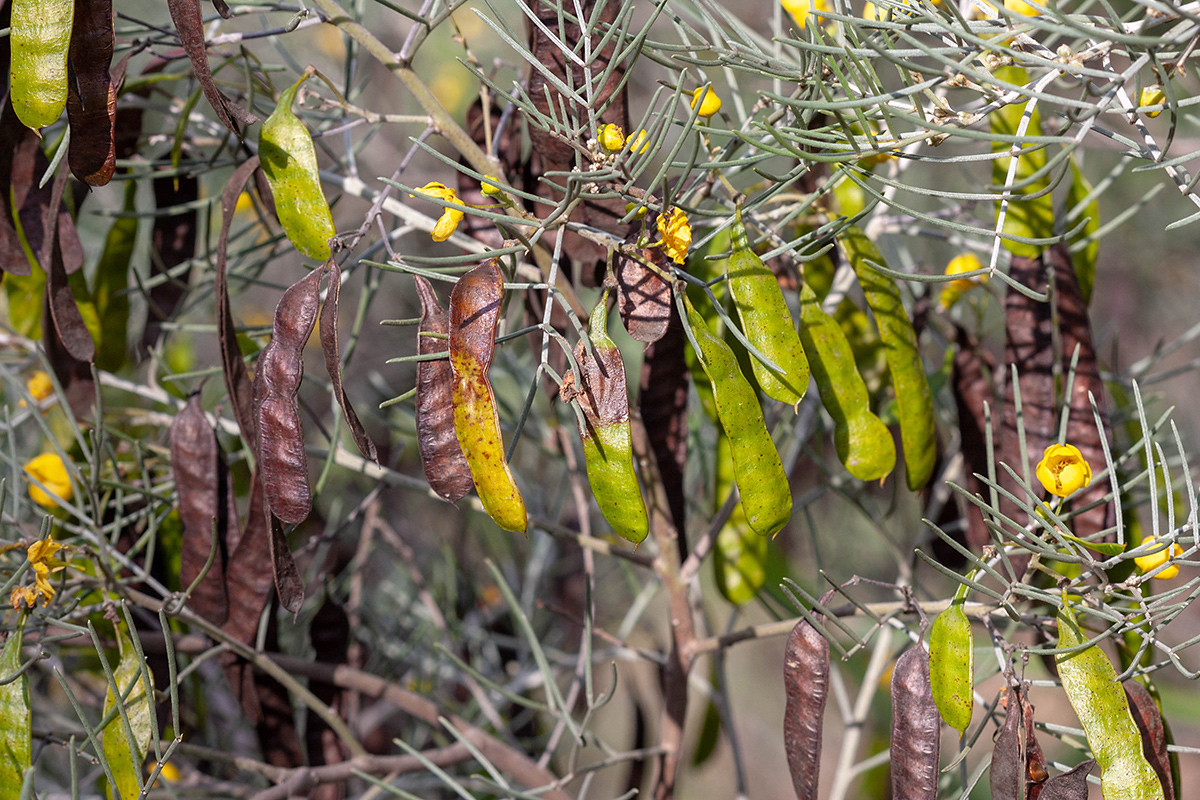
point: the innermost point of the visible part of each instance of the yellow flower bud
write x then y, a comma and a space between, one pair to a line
1149, 563
1063, 471
1152, 96
967, 262
708, 100
490, 187
676, 233
39, 385
50, 470
612, 138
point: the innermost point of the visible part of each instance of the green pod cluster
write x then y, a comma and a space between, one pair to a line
740, 554
863, 442
951, 664
766, 495
1090, 681
40, 38
766, 321
289, 161
918, 434
605, 432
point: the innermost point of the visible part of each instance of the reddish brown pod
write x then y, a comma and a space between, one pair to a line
644, 296
194, 462
277, 381
91, 94
916, 729
1018, 767
806, 685
1070, 785
1149, 722
446, 468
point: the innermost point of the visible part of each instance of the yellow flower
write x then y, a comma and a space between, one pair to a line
450, 216
1149, 563
874, 13
52, 472
1021, 7
41, 558
39, 386
1152, 96
1063, 471
612, 138
709, 105
640, 141
801, 9
676, 233
168, 772
967, 262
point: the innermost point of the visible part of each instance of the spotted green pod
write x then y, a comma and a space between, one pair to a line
951, 664
40, 38
766, 495
739, 554
914, 400
605, 432
766, 321
15, 717
1099, 701
289, 161
864, 444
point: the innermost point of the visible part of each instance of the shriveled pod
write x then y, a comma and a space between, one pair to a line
445, 467
40, 38
1018, 766
605, 430
766, 321
916, 728
278, 375
474, 316
643, 295
806, 685
1150, 725
289, 160
1070, 785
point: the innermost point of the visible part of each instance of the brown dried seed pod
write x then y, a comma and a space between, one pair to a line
280, 431
916, 729
194, 457
806, 684
1150, 725
445, 465
233, 367
1018, 765
189, 23
92, 95
1071, 785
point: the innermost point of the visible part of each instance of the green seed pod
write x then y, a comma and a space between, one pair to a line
1091, 685
766, 321
864, 444
289, 161
605, 431
40, 38
739, 554
951, 663
913, 397
766, 495
15, 719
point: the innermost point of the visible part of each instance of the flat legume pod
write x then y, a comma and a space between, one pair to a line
474, 316
916, 728
763, 484
1150, 725
913, 397
40, 37
16, 740
290, 163
951, 660
739, 554
806, 685
1070, 785
766, 321
92, 99
1091, 685
863, 442
605, 431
